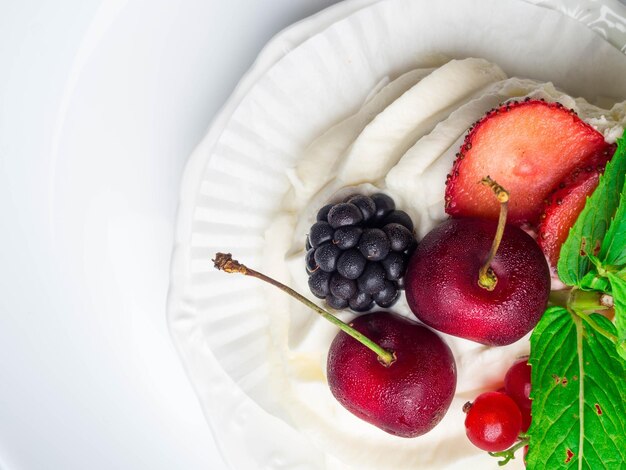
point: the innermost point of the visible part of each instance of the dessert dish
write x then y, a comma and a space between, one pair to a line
417, 138
220, 326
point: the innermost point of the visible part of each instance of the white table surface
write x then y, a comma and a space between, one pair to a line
101, 103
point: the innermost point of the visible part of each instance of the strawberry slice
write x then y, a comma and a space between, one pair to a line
528, 147
564, 204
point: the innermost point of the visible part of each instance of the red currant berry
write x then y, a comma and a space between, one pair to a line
517, 383
493, 421
526, 418
517, 386
525, 453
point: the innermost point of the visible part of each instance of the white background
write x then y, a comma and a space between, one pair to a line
101, 103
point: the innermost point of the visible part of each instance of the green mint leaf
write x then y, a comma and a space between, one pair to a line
613, 250
579, 395
588, 233
596, 262
618, 290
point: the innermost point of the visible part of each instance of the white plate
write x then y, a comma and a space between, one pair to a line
235, 179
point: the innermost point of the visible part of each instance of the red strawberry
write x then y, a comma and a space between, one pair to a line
562, 207
528, 147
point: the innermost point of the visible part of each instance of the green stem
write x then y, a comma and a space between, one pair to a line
588, 301
226, 263
580, 302
559, 298
590, 321
509, 454
581, 390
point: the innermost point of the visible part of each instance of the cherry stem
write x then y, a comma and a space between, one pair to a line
225, 262
487, 279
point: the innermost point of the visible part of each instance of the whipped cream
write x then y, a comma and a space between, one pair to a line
402, 141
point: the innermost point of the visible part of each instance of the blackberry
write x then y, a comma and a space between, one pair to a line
384, 205
361, 302
400, 237
394, 265
347, 237
311, 265
399, 217
344, 213
357, 252
374, 244
320, 232
319, 283
336, 302
373, 278
351, 264
322, 214
342, 287
326, 257
387, 296
365, 204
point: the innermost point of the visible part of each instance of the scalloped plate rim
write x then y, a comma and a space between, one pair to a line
279, 46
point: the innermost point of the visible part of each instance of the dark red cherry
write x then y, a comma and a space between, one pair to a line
443, 291
407, 398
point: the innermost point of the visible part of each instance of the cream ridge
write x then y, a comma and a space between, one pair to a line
402, 141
